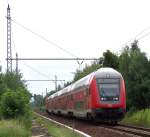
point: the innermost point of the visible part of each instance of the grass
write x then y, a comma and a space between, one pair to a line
138, 118
18, 127
13, 128
56, 130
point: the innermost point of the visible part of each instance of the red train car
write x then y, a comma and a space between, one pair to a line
99, 95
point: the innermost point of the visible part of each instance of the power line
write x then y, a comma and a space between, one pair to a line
56, 59
33, 69
142, 31
143, 36
36, 80
45, 39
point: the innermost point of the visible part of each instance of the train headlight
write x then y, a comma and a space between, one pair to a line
116, 98
103, 99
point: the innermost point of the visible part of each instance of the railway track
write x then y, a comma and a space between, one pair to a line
133, 130
102, 130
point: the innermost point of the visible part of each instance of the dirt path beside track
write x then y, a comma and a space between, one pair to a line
38, 130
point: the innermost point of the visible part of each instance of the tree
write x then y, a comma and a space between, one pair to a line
51, 92
38, 100
14, 81
87, 70
67, 83
59, 87
3, 85
110, 60
134, 66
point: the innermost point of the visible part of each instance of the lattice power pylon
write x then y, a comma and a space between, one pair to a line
9, 51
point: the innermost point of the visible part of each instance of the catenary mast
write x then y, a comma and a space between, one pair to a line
9, 51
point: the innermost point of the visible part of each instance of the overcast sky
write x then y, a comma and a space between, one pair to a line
86, 28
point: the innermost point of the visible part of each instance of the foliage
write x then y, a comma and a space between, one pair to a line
134, 66
51, 92
13, 128
38, 103
110, 60
3, 85
14, 96
67, 83
87, 70
138, 118
38, 100
14, 104
14, 81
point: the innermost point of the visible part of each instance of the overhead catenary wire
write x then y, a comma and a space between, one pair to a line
144, 30
50, 42
137, 35
82, 59
42, 74
35, 70
56, 45
39, 80
42, 37
68, 52
143, 36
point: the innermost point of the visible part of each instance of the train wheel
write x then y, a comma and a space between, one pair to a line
48, 112
89, 116
114, 123
70, 114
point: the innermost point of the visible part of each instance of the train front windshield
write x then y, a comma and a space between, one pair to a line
108, 89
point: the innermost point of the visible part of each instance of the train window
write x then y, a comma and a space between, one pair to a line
71, 97
86, 92
109, 89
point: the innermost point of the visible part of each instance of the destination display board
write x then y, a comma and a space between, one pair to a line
107, 80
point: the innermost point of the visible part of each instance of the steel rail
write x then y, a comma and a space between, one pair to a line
130, 130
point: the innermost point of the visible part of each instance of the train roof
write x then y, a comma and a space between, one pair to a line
85, 81
107, 73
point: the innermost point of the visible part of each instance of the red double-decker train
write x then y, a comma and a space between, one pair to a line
100, 96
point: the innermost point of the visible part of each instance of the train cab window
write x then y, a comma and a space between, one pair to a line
109, 89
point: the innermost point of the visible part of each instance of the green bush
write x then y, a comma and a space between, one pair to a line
13, 104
